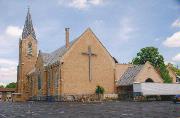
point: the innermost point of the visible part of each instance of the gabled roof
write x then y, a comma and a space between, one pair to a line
170, 69
128, 77
45, 57
53, 57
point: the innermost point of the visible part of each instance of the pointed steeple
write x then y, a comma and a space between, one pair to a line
28, 27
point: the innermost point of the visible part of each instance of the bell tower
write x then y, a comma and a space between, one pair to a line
27, 55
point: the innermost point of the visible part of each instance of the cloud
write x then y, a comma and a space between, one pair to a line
176, 23
127, 29
8, 75
13, 31
80, 4
8, 71
176, 58
9, 46
9, 39
6, 62
96, 2
173, 41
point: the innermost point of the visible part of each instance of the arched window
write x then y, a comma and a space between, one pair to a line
29, 51
49, 82
33, 87
39, 82
149, 80
49, 79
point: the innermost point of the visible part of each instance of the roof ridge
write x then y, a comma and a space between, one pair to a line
53, 56
128, 77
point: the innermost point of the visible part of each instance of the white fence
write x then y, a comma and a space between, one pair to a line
156, 88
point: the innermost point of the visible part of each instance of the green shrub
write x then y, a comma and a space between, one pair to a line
99, 90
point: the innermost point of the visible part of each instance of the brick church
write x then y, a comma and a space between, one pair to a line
75, 69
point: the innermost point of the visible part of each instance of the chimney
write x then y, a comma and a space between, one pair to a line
67, 37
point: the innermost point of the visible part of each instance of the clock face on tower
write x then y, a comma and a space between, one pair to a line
29, 50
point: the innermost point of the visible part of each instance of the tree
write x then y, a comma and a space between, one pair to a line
152, 55
1, 86
99, 91
11, 85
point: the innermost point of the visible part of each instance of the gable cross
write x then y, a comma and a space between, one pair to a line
89, 54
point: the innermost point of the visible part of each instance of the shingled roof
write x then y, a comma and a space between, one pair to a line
45, 57
53, 57
128, 77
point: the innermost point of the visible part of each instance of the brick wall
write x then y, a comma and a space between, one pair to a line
75, 68
148, 71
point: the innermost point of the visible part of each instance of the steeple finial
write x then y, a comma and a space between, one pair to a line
28, 27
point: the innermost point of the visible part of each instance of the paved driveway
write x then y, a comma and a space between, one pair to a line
119, 109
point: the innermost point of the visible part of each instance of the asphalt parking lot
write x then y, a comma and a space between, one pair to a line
115, 109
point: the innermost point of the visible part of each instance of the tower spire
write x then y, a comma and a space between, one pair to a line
28, 27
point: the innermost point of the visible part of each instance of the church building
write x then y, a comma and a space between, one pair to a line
73, 70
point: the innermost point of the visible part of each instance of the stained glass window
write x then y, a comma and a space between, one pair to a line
49, 83
56, 82
39, 82
32, 87
49, 76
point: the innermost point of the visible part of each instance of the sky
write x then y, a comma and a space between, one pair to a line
123, 26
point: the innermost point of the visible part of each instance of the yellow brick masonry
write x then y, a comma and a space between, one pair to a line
73, 70
75, 67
